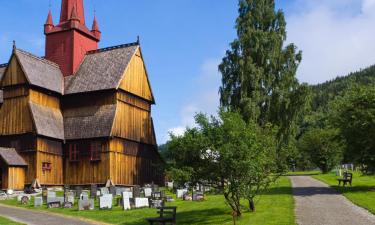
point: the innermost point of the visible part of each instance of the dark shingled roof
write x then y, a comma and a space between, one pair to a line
48, 121
89, 122
101, 69
41, 72
11, 157
2, 70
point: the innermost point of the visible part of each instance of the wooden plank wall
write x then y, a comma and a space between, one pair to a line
14, 74
44, 99
49, 151
132, 123
86, 172
30, 159
16, 178
135, 78
15, 117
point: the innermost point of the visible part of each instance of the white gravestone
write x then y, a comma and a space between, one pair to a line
51, 194
84, 196
126, 200
141, 202
104, 191
181, 192
86, 204
55, 199
148, 192
105, 201
38, 201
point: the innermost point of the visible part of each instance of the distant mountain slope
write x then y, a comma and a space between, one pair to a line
325, 92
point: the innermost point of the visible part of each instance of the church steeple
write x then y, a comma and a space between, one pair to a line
68, 42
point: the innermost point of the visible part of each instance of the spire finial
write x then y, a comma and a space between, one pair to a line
14, 45
138, 40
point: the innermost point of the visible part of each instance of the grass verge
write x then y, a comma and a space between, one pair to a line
276, 207
362, 192
5, 221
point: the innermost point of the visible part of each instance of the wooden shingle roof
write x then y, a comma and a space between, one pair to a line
11, 157
48, 121
41, 72
2, 70
102, 69
89, 122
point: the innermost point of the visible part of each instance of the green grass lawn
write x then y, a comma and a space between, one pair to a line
361, 193
5, 221
275, 207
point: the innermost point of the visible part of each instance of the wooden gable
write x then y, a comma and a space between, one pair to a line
135, 79
14, 75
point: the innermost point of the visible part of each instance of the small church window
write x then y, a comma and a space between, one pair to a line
95, 150
46, 166
73, 153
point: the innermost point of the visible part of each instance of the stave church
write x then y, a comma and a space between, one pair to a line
80, 115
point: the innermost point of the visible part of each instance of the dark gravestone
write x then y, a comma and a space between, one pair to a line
78, 191
157, 195
93, 190
156, 203
198, 196
112, 190
25, 200
44, 194
155, 188
54, 205
68, 205
136, 191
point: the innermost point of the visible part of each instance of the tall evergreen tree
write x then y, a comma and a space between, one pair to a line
258, 72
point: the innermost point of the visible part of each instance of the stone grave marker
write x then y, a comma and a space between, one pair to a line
44, 194
104, 191
55, 199
25, 200
112, 190
86, 204
181, 192
198, 196
68, 205
93, 191
156, 203
38, 201
54, 205
105, 201
51, 194
141, 202
126, 200
155, 188
78, 191
136, 192
70, 197
84, 196
148, 192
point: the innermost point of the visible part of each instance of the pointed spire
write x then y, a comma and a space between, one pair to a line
49, 20
73, 15
14, 46
95, 25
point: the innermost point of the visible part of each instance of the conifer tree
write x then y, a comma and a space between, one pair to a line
259, 72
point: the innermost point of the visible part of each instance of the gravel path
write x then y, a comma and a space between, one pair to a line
32, 217
318, 204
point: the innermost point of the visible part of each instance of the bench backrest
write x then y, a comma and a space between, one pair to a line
168, 212
348, 176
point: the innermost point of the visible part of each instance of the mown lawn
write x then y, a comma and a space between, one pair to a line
5, 221
276, 207
362, 192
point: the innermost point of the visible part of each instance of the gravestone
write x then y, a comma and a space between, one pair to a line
78, 191
70, 197
169, 199
181, 192
155, 188
68, 205
112, 190
169, 185
126, 200
128, 194
86, 204
105, 201
141, 202
54, 205
136, 191
104, 191
3, 195
44, 194
157, 195
55, 199
38, 201
119, 190
93, 190
51, 194
84, 196
148, 192
198, 196
156, 203
25, 200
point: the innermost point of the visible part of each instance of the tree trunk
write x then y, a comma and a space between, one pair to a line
251, 205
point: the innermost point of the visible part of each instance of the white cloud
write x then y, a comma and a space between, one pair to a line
205, 97
334, 40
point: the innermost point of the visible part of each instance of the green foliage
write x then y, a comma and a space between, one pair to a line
354, 115
258, 72
323, 147
237, 157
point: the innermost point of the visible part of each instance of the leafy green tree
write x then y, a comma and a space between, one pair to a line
323, 146
237, 157
354, 115
258, 72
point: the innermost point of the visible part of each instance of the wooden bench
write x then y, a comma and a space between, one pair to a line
167, 215
347, 178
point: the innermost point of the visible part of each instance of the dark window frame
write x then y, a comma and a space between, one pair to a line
73, 153
95, 151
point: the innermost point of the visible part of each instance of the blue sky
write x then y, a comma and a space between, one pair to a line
183, 42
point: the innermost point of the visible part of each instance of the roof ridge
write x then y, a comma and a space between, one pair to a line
112, 48
38, 58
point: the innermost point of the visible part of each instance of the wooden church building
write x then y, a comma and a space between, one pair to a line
78, 116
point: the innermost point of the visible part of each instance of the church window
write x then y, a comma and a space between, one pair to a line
95, 150
73, 153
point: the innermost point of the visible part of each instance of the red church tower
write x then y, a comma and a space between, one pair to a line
68, 42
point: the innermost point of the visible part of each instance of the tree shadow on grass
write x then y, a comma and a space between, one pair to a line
198, 216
